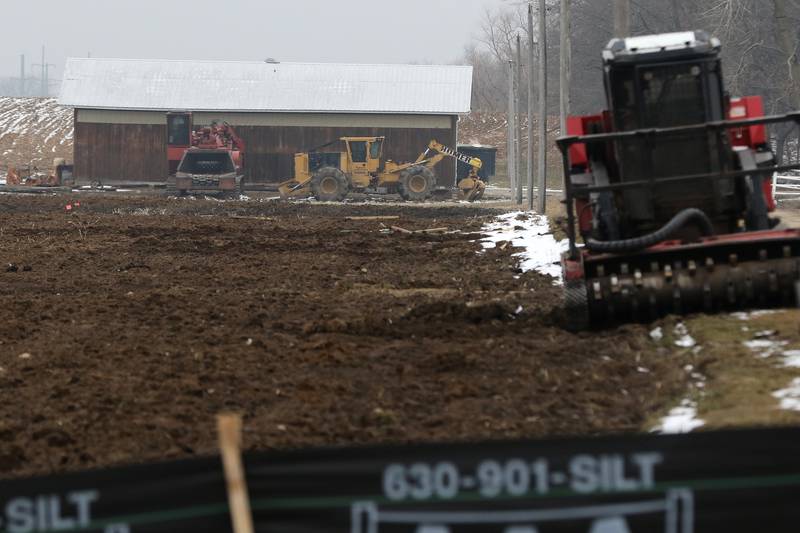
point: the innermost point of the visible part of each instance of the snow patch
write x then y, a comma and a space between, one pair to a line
684, 340
789, 397
742, 315
542, 252
657, 334
791, 358
681, 419
764, 347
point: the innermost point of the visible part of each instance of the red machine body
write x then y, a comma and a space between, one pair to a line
208, 158
754, 137
219, 136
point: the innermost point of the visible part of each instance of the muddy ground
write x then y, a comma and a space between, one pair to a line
128, 324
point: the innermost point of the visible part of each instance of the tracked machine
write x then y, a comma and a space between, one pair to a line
668, 194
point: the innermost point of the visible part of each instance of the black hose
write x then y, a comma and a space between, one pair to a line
645, 241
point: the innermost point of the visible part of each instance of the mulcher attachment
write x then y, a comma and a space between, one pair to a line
734, 272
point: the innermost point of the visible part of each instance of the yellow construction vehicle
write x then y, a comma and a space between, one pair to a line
331, 176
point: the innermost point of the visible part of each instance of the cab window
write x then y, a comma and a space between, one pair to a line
375, 149
178, 130
358, 150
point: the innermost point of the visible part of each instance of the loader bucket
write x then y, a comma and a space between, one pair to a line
472, 189
292, 188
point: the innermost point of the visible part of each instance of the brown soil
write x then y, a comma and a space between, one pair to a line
129, 324
790, 214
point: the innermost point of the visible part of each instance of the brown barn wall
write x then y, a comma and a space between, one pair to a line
120, 152
136, 152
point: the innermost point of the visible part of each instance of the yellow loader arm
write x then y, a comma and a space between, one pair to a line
442, 150
472, 187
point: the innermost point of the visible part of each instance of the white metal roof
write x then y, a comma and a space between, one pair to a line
165, 85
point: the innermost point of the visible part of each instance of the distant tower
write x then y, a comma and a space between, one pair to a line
22, 75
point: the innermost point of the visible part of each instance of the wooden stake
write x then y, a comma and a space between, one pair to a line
244, 217
229, 428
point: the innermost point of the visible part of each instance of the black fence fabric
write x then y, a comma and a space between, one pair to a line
180, 496
741, 481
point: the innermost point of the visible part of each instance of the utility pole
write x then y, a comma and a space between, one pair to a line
676, 16
22, 75
566, 63
510, 148
45, 74
565, 84
531, 103
519, 119
542, 106
622, 18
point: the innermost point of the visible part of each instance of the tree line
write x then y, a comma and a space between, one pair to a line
760, 42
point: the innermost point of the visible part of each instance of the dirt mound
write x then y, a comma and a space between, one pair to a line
140, 319
34, 131
490, 129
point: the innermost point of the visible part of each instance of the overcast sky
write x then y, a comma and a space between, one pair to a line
359, 31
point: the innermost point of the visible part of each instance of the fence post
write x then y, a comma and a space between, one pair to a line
775, 186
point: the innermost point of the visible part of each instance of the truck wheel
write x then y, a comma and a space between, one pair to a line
330, 185
417, 183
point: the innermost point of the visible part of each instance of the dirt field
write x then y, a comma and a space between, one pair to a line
790, 214
128, 325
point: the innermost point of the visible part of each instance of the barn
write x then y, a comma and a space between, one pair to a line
279, 109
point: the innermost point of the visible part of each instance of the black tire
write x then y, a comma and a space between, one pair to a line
576, 306
417, 184
330, 185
